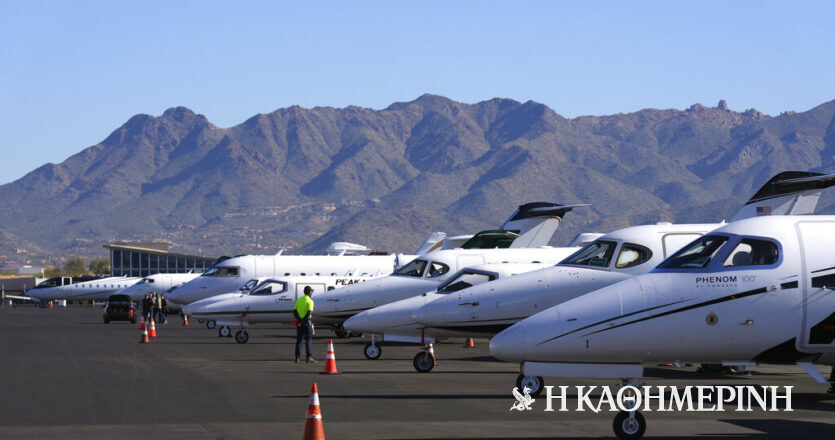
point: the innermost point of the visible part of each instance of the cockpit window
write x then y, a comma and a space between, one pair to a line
696, 255
269, 288
466, 279
436, 269
248, 286
632, 255
752, 252
413, 269
597, 254
221, 272
146, 281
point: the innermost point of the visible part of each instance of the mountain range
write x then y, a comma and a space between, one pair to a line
301, 178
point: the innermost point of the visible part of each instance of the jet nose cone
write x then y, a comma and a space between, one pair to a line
511, 344
358, 322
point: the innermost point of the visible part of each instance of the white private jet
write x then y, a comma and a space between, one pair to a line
160, 283
47, 290
228, 274
98, 289
265, 300
394, 322
759, 290
487, 309
522, 239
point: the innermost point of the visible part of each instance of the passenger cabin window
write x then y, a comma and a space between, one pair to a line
437, 269
696, 255
221, 272
752, 252
632, 255
465, 280
413, 269
597, 254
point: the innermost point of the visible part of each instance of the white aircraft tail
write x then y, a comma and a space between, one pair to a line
536, 223
787, 193
434, 241
343, 247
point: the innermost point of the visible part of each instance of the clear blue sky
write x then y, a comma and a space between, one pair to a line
73, 71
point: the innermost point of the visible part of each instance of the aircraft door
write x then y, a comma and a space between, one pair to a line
166, 283
818, 318
66, 281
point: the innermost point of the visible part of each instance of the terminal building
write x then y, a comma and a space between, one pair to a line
143, 259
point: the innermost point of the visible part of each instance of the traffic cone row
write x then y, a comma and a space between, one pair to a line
142, 323
313, 428
153, 332
330, 360
469, 343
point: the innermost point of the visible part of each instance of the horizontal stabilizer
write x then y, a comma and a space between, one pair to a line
787, 193
537, 222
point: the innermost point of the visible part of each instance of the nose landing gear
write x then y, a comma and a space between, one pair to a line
630, 425
535, 384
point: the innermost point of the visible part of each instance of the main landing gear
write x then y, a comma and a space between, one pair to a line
629, 425
241, 337
340, 332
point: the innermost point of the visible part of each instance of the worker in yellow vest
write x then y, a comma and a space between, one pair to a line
302, 312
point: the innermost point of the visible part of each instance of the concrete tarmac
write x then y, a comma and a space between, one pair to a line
65, 374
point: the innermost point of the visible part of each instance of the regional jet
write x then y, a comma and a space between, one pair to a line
758, 290
93, 289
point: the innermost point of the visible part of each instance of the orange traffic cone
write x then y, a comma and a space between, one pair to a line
469, 343
144, 339
432, 353
153, 332
50, 304
185, 321
313, 429
330, 360
142, 323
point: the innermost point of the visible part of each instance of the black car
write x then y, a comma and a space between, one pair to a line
119, 308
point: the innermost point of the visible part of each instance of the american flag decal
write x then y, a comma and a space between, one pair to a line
763, 210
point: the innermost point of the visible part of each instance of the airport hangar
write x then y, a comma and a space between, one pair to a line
143, 259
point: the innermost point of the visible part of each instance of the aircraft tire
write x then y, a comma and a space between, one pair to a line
211, 325
340, 332
423, 363
241, 337
372, 352
626, 429
224, 332
535, 383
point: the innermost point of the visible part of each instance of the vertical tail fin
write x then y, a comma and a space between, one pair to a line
787, 193
537, 222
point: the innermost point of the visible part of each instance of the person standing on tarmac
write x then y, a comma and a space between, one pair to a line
160, 309
302, 314
148, 306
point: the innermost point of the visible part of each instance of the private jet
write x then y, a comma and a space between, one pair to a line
758, 290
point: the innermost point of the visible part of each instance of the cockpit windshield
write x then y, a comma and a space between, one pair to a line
146, 281
248, 286
696, 255
413, 269
598, 254
221, 272
464, 280
52, 282
269, 287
